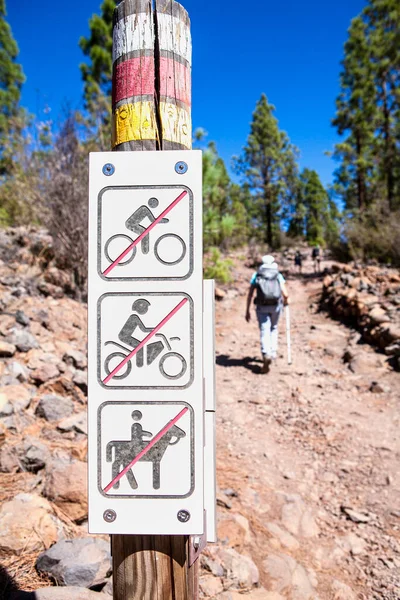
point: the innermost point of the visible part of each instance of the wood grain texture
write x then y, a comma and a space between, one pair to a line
152, 567
174, 64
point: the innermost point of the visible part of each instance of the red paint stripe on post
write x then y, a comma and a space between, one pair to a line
133, 77
146, 339
155, 439
144, 233
175, 80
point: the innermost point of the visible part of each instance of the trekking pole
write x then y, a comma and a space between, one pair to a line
288, 340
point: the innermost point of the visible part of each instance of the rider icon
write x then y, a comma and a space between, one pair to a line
134, 322
133, 223
138, 433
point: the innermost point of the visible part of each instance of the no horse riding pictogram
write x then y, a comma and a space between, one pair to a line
146, 449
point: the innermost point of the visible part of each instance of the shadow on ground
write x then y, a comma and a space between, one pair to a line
251, 363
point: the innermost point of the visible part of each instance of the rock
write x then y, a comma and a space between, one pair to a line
341, 591
240, 569
210, 586
76, 422
18, 395
34, 455
44, 373
19, 371
211, 565
297, 518
22, 318
9, 462
7, 349
354, 544
68, 593
23, 340
6, 409
378, 316
27, 523
75, 358
219, 294
80, 380
66, 486
234, 529
80, 562
54, 408
355, 516
287, 574
285, 538
258, 594
377, 388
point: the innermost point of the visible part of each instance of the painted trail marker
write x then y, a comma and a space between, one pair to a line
146, 378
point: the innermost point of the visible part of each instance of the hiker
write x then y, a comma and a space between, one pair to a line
316, 256
271, 295
298, 260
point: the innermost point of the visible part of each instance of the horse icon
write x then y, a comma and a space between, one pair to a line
126, 450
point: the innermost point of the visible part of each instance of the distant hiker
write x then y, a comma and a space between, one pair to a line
298, 260
271, 295
316, 256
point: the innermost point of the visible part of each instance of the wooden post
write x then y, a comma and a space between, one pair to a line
151, 108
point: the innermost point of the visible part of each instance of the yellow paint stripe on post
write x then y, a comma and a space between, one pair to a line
134, 122
176, 124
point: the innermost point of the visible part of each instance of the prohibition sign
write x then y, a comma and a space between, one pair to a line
152, 442
144, 233
145, 340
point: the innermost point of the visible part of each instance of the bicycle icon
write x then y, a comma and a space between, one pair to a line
172, 365
169, 248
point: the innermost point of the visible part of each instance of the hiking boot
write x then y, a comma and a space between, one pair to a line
267, 362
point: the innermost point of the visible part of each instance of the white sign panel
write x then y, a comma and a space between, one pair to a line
145, 319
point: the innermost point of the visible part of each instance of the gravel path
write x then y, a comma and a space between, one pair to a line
308, 454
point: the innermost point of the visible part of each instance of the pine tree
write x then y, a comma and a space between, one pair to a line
11, 80
97, 73
269, 167
382, 18
356, 118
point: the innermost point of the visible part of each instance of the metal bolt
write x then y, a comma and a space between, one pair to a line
183, 516
181, 167
109, 515
108, 169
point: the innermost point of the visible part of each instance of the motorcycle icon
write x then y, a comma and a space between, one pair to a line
172, 365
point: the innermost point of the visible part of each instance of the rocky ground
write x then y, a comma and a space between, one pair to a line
308, 489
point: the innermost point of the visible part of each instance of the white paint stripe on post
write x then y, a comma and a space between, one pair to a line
133, 33
176, 39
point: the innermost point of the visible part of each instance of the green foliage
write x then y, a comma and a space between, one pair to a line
315, 215
225, 218
368, 109
216, 267
11, 80
97, 72
269, 167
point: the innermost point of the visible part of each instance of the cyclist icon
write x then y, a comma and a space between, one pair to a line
169, 249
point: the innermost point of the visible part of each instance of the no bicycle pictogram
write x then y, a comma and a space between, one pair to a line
145, 233
146, 449
145, 340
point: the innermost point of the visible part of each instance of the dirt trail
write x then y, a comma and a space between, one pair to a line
308, 454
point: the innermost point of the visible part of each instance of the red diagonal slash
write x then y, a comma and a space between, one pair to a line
155, 439
144, 233
146, 339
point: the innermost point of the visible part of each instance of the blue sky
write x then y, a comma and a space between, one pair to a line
289, 50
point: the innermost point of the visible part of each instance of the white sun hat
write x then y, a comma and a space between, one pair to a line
268, 259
